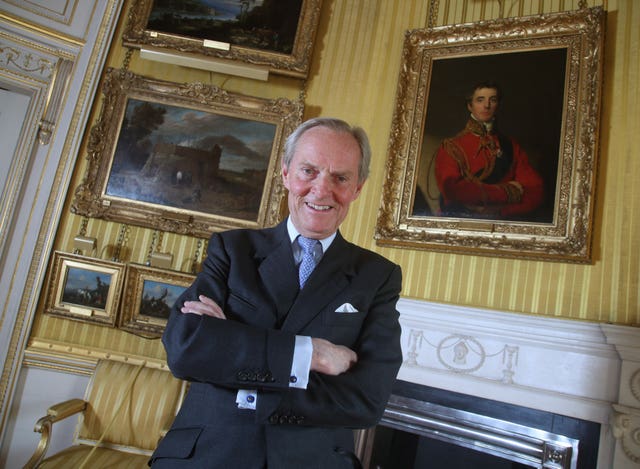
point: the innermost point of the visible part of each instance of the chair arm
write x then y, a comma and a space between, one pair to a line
44, 426
64, 409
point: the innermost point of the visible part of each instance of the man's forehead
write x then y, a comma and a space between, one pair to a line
485, 91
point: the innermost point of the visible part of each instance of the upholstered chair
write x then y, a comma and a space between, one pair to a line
126, 410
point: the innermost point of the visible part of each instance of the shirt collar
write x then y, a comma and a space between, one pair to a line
294, 233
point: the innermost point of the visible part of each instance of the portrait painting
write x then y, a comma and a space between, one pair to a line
529, 113
494, 140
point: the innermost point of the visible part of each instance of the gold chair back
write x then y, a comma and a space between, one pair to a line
129, 406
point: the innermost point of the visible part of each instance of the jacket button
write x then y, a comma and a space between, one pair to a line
273, 418
241, 375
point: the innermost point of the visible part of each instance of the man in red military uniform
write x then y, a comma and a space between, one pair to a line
482, 173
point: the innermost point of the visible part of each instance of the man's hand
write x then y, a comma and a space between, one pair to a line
206, 306
331, 359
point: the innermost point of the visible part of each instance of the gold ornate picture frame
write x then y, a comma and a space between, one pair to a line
149, 294
84, 288
278, 35
185, 158
549, 71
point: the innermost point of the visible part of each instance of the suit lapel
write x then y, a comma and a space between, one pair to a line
330, 277
277, 269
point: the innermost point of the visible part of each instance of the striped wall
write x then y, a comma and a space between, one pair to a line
353, 76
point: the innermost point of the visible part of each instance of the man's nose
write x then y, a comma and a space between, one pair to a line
322, 185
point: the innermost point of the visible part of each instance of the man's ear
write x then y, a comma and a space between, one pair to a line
285, 176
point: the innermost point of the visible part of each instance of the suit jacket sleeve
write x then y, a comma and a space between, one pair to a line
243, 351
357, 398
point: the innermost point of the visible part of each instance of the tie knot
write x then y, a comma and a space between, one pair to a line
307, 244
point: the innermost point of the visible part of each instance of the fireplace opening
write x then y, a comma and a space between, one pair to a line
427, 427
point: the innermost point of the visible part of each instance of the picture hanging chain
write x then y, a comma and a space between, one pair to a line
83, 226
196, 256
152, 244
127, 59
123, 238
432, 14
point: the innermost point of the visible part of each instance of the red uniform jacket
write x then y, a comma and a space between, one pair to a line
474, 171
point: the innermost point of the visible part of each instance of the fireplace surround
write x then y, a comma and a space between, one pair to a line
471, 377
427, 427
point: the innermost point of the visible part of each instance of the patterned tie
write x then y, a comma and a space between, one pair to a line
309, 246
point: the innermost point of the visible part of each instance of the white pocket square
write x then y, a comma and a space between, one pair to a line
346, 308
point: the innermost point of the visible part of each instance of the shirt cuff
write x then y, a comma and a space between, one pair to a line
302, 354
247, 399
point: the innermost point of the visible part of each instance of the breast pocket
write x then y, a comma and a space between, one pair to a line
343, 319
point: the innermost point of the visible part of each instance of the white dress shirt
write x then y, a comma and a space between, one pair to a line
303, 350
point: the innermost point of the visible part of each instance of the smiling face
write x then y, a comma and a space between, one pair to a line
484, 104
322, 180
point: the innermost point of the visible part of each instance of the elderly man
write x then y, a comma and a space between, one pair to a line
290, 335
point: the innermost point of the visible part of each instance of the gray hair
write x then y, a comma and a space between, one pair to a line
336, 125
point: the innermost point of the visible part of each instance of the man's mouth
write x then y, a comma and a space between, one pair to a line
321, 208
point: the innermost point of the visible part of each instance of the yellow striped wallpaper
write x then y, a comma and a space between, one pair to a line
353, 76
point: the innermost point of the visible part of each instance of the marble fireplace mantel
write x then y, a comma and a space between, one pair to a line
584, 370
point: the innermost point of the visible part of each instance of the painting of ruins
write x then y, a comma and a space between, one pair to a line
185, 158
191, 159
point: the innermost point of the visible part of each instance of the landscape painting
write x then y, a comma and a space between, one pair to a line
276, 35
149, 294
158, 297
260, 24
185, 158
84, 288
191, 159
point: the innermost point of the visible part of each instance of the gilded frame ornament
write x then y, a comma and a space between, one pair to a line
564, 232
171, 175
84, 288
254, 49
149, 293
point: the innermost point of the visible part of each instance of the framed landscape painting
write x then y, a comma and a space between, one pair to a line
185, 158
276, 34
149, 294
494, 142
84, 288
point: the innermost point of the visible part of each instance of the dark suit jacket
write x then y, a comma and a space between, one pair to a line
252, 276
